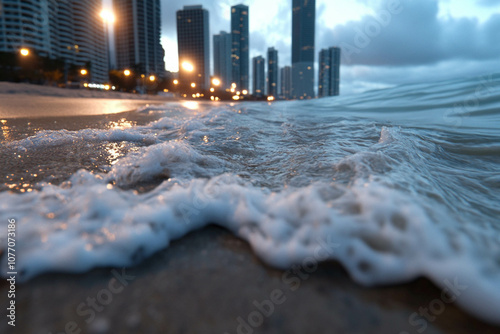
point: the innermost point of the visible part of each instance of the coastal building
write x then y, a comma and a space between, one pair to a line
240, 46
272, 72
194, 47
138, 36
26, 25
286, 83
329, 72
89, 41
303, 33
69, 30
259, 76
222, 58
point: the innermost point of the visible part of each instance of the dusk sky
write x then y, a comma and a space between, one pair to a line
425, 41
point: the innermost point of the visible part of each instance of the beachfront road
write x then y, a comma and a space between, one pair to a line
29, 106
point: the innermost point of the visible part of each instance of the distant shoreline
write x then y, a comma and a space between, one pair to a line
20, 100
11, 88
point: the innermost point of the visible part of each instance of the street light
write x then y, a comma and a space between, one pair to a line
83, 71
187, 66
193, 85
176, 82
152, 78
24, 52
107, 16
127, 73
216, 82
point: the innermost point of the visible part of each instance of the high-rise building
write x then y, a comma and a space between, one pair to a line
259, 76
70, 30
286, 82
240, 49
89, 41
303, 32
329, 72
26, 25
194, 47
138, 36
222, 58
272, 72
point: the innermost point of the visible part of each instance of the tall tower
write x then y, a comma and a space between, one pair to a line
303, 32
286, 82
138, 36
194, 46
329, 72
272, 72
259, 76
222, 58
89, 40
240, 49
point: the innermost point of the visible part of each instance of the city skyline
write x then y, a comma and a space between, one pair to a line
336, 23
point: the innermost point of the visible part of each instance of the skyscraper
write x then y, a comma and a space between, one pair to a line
303, 32
194, 46
70, 30
272, 72
240, 49
137, 36
222, 58
329, 72
259, 76
286, 82
89, 40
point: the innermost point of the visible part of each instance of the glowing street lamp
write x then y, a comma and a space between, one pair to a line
83, 71
152, 78
176, 82
245, 92
107, 16
24, 52
187, 66
216, 82
127, 73
193, 85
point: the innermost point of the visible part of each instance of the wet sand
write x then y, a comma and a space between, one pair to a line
33, 101
208, 280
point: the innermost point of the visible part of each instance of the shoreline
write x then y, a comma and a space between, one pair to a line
13, 88
19, 100
211, 282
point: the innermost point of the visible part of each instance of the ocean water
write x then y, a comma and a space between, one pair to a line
395, 184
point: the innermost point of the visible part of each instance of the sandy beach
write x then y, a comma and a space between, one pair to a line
17, 101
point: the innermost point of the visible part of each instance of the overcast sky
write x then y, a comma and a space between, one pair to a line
384, 42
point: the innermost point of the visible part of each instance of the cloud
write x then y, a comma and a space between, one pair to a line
488, 3
413, 34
